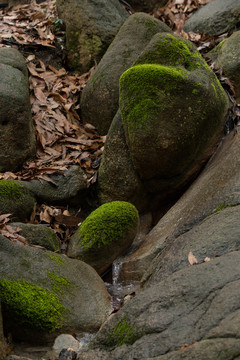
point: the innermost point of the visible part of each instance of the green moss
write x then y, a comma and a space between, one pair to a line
12, 190
109, 222
31, 305
223, 206
57, 259
59, 284
148, 89
123, 333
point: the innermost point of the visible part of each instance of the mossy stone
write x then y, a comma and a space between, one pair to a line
105, 234
16, 200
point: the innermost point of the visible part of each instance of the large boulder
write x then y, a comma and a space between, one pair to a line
16, 200
227, 57
99, 101
17, 136
215, 18
196, 304
80, 296
105, 234
89, 29
173, 113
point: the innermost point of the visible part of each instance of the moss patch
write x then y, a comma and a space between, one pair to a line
31, 305
123, 333
109, 222
55, 258
59, 284
11, 190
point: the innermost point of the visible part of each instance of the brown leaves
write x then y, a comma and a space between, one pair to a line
194, 261
10, 232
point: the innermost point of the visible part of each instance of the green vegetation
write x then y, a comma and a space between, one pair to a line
12, 190
109, 222
57, 259
123, 333
59, 284
31, 305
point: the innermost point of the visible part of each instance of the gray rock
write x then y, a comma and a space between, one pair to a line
105, 234
70, 186
2, 339
215, 18
99, 101
148, 6
38, 235
183, 308
17, 139
16, 200
216, 187
64, 341
90, 28
78, 287
226, 56
117, 179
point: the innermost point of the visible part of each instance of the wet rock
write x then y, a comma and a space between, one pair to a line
89, 29
17, 139
99, 101
16, 200
215, 18
105, 234
38, 235
68, 283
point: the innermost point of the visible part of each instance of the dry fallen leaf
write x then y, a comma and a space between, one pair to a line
207, 259
192, 259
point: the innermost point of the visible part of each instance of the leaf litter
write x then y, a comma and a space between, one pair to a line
63, 139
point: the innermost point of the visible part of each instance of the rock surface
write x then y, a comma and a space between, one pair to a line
17, 136
215, 18
73, 281
16, 200
2, 339
41, 235
68, 187
105, 234
65, 341
89, 29
226, 56
99, 101
148, 6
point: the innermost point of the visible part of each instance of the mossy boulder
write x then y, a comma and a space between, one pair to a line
227, 57
17, 135
173, 111
41, 235
46, 294
89, 29
16, 200
99, 101
105, 234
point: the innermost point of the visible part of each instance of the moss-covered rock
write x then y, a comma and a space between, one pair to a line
89, 29
16, 200
38, 235
105, 234
31, 305
99, 101
173, 110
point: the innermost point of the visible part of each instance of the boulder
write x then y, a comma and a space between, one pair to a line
16, 200
69, 186
195, 304
99, 101
72, 287
173, 112
17, 137
64, 341
117, 179
216, 188
41, 235
89, 29
148, 6
105, 234
2, 339
226, 56
215, 18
